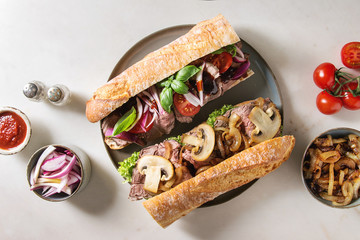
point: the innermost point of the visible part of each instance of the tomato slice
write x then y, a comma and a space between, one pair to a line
222, 61
350, 55
138, 129
184, 106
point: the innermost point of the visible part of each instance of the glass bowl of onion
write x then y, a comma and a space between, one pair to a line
331, 168
57, 172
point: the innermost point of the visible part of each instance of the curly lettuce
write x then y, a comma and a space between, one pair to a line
218, 112
126, 167
177, 138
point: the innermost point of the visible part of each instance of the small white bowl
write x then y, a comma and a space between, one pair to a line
85, 169
22, 145
335, 133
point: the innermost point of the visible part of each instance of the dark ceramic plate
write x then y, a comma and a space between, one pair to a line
261, 84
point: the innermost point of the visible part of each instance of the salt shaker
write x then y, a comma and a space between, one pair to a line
59, 95
35, 91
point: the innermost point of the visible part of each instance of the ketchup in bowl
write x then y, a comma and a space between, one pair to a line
14, 130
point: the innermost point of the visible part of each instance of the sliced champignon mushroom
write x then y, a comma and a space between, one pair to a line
155, 168
203, 143
267, 124
234, 132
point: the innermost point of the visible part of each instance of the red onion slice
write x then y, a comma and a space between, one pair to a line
72, 179
155, 95
45, 189
32, 178
241, 70
148, 95
65, 170
75, 174
192, 99
54, 164
67, 190
146, 108
45, 153
63, 183
143, 121
239, 52
238, 59
152, 120
50, 192
200, 84
55, 176
40, 185
150, 103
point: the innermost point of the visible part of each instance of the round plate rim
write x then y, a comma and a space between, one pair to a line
132, 50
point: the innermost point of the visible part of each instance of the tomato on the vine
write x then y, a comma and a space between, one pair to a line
324, 75
350, 101
184, 106
350, 55
327, 103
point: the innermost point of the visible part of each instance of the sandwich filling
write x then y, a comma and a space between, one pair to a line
229, 130
152, 112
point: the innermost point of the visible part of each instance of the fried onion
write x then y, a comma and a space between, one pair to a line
167, 154
330, 156
331, 168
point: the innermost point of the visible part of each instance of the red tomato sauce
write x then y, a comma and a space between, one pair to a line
12, 130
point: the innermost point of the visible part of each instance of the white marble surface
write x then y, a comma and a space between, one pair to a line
78, 43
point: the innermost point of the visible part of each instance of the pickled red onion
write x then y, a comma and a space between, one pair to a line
58, 172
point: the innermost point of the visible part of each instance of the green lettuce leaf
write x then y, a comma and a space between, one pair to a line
126, 166
218, 112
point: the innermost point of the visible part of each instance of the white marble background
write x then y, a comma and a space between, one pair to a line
78, 43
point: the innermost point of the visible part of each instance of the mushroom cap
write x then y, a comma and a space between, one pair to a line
267, 123
163, 164
203, 142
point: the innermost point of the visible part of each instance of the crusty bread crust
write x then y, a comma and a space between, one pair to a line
204, 38
252, 163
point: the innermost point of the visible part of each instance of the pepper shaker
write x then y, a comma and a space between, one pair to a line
35, 91
59, 95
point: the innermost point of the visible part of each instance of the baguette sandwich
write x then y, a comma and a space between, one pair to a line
173, 82
236, 145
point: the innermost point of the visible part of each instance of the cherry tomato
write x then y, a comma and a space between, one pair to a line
222, 61
138, 129
324, 75
184, 106
328, 104
350, 101
350, 55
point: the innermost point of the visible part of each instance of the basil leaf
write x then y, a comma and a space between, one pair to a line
124, 122
219, 51
166, 98
179, 87
165, 83
229, 48
186, 72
